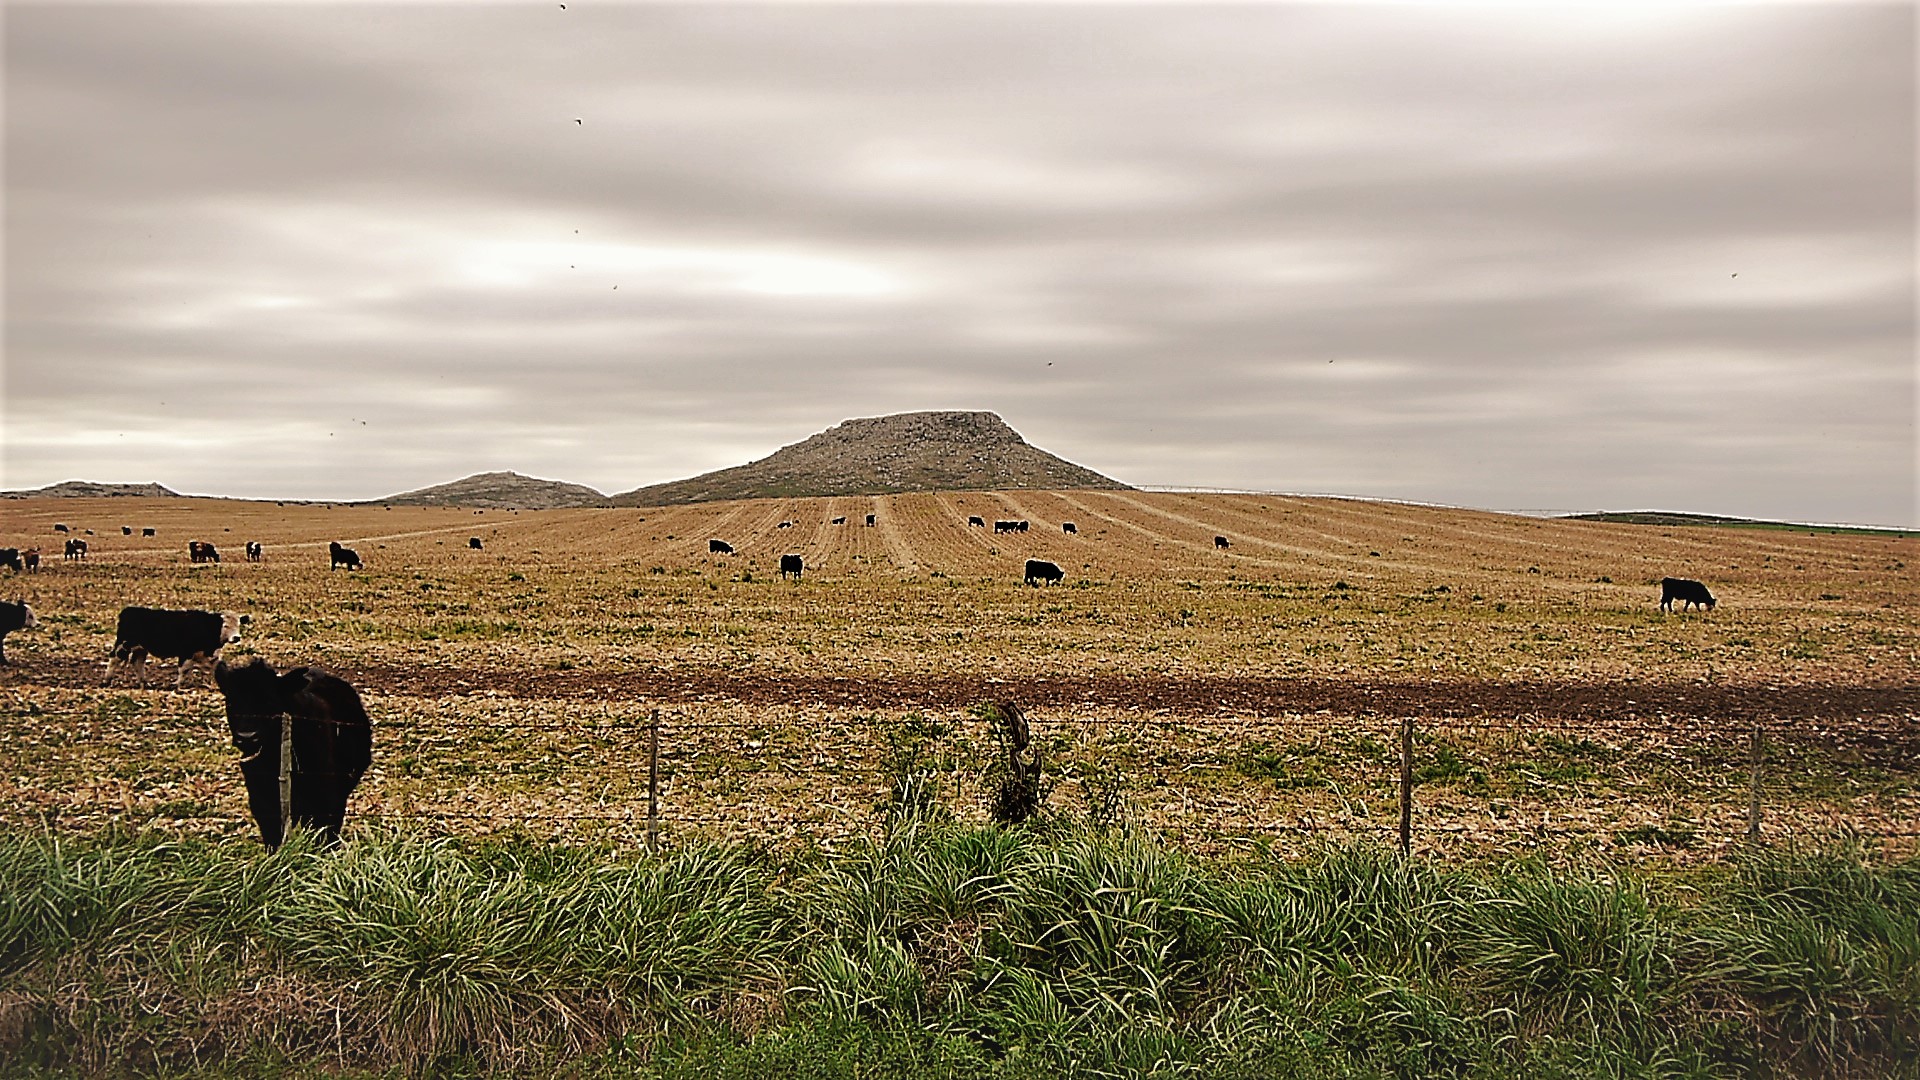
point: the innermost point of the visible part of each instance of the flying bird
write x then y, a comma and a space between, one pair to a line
576, 120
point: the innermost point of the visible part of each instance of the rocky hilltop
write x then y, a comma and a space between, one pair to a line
87, 489
884, 455
500, 491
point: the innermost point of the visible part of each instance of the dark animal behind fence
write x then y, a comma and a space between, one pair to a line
14, 616
190, 637
1039, 570
341, 556
1685, 590
332, 743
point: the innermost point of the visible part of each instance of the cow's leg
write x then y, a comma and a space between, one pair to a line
262, 775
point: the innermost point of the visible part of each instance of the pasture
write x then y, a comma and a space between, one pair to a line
1248, 696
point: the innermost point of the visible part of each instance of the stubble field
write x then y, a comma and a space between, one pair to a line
1253, 695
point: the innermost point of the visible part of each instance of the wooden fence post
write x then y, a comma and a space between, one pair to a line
1406, 785
1756, 754
653, 782
286, 775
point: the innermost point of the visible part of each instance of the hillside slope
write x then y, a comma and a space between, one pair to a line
500, 491
884, 455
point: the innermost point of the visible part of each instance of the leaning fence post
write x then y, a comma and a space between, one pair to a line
286, 775
1406, 785
1757, 755
653, 782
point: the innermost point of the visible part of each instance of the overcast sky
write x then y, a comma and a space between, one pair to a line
1612, 257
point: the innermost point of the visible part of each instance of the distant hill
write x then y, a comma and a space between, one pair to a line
500, 491
885, 455
1661, 517
87, 489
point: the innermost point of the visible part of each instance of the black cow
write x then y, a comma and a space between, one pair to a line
16, 616
126, 530
201, 551
719, 547
10, 558
784, 525
474, 543
791, 564
341, 556
839, 521
60, 528
191, 637
146, 532
255, 550
1005, 526
76, 549
869, 521
1685, 590
1039, 570
1221, 543
980, 521
332, 743
1068, 527
30, 558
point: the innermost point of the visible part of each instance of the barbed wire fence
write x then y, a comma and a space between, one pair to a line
668, 774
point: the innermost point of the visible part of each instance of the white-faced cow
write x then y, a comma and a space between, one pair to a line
341, 556
15, 616
200, 551
255, 551
1221, 543
191, 637
332, 743
1685, 590
1039, 570
76, 549
791, 564
10, 558
719, 547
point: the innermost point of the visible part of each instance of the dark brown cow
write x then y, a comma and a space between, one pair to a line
332, 744
30, 559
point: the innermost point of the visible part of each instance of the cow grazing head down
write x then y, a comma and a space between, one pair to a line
331, 735
1687, 591
1040, 570
719, 547
14, 616
194, 638
200, 551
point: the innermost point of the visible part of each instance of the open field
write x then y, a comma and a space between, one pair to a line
1246, 696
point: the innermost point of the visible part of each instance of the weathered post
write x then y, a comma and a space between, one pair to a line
653, 782
1406, 785
286, 775
1756, 754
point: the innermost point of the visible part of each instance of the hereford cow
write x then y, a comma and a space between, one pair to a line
76, 549
1039, 570
1687, 591
976, 520
332, 743
255, 551
15, 616
719, 547
1221, 543
1068, 527
474, 543
341, 556
30, 559
10, 558
200, 551
791, 564
191, 637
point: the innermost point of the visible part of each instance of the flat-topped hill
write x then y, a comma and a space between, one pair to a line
886, 455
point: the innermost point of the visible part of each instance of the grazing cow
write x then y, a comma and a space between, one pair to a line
474, 543
126, 530
784, 525
1068, 527
201, 551
839, 521
1039, 570
719, 547
76, 549
61, 528
146, 532
791, 564
191, 637
14, 616
332, 743
1003, 526
1221, 543
1687, 591
30, 558
255, 550
869, 521
10, 558
976, 520
341, 556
